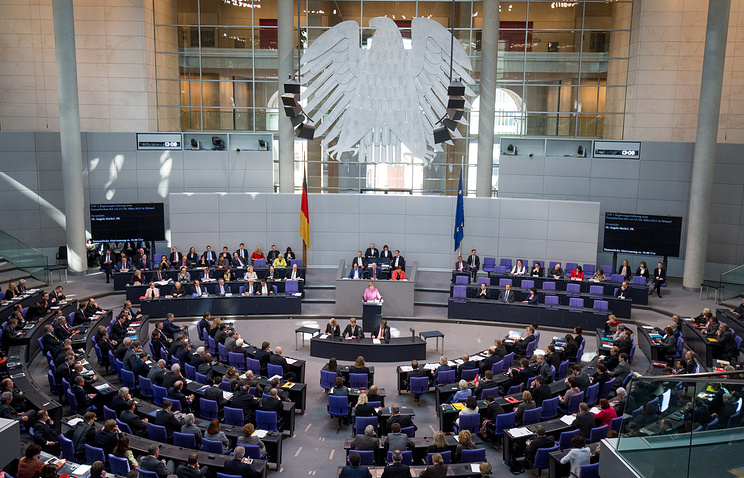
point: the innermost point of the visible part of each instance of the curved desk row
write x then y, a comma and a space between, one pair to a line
223, 305
553, 315
397, 349
35, 395
135, 292
6, 310
34, 330
121, 279
619, 307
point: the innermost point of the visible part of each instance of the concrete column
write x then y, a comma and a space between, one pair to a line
69, 131
704, 160
487, 113
287, 40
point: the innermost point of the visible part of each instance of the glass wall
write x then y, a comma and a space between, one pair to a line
562, 72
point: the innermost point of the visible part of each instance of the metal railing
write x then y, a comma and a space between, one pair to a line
732, 283
23, 256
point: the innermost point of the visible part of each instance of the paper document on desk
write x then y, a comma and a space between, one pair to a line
376, 341
324, 336
520, 432
595, 410
260, 433
227, 395
406, 368
74, 421
83, 470
431, 366
568, 419
291, 361
475, 467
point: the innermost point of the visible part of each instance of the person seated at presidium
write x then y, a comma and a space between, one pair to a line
332, 328
356, 272
577, 274
279, 262
532, 299
250, 274
178, 290
371, 293
599, 276
507, 295
398, 274
537, 270
382, 331
519, 269
483, 292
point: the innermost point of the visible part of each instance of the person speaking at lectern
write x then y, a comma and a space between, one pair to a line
371, 293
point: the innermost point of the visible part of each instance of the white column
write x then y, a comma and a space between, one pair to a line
704, 160
69, 132
287, 41
487, 113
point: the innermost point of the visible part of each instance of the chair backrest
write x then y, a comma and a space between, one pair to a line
530, 350
409, 431
606, 389
419, 384
367, 456
575, 301
186, 440
504, 421
626, 380
470, 422
639, 280
508, 360
201, 378
498, 367
358, 380
616, 277
616, 423
275, 370
503, 282
360, 423
589, 269
541, 456
631, 354
266, 420
213, 446
259, 263
459, 291
477, 455
598, 433
253, 364
252, 451
190, 371
573, 288
462, 279
222, 351
225, 386
338, 405
550, 408
592, 393
505, 262
565, 441
562, 370
514, 389
681, 344
528, 284
574, 401
551, 300
445, 376
446, 457
489, 391
734, 420
108, 414
123, 426
93, 454
571, 265
589, 471
407, 457
291, 286
236, 360
119, 466
501, 269
484, 280
147, 474
469, 374
596, 289
157, 433
489, 262
128, 380
68, 448
234, 416
208, 409
713, 425
548, 285
158, 394
71, 400
606, 269
531, 416
327, 379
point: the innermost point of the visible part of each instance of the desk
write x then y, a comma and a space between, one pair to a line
638, 293
619, 307
555, 316
552, 427
217, 305
121, 279
26, 300
385, 414
420, 445
69, 468
37, 397
398, 349
556, 469
696, 340
305, 330
652, 350
355, 392
398, 295
432, 334
134, 292
709, 284
460, 470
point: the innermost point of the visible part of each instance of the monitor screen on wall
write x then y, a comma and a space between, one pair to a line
642, 234
127, 222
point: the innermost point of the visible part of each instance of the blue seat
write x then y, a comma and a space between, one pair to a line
576, 288
601, 304
631, 354
562, 370
99, 355
222, 351
118, 466
411, 431
212, 345
145, 388
128, 380
489, 391
208, 409
190, 371
266, 420
123, 426
541, 458
360, 423
470, 423
564, 442
504, 282
550, 408
367, 456
589, 471
419, 386
275, 370
358, 380
291, 287
514, 389
157, 433
606, 389
616, 424
598, 433
596, 290
407, 457
548, 285
252, 451
176, 406
213, 446
531, 416
734, 420
504, 421
592, 393
678, 350
446, 377
253, 364
175, 360
93, 454
338, 406
68, 448
72, 401
574, 401
225, 386
201, 378
469, 374
108, 414
185, 440
53, 387
327, 379
462, 279
158, 395
446, 457
498, 367
477, 455
234, 416
147, 474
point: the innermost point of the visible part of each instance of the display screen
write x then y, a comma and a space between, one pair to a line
642, 234
127, 222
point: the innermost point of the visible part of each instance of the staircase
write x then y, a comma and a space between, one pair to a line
11, 273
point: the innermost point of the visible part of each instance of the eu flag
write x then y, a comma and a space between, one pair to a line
459, 216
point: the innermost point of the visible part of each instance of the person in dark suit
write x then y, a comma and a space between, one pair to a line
360, 261
84, 399
507, 295
50, 342
107, 263
170, 329
278, 359
238, 467
175, 256
659, 279
191, 468
44, 434
166, 418
398, 261
443, 367
356, 271
272, 403
460, 265
473, 263
264, 354
210, 256
79, 316
244, 400
271, 255
624, 343
537, 270
141, 369
584, 420
466, 364
56, 296
108, 437
381, 331
359, 366
353, 330
372, 251
487, 382
332, 328
294, 273
541, 391
215, 393
728, 342
10, 333
355, 469
416, 372
540, 441
176, 393
119, 329
144, 263
397, 469
403, 420
39, 309
483, 292
520, 346
136, 424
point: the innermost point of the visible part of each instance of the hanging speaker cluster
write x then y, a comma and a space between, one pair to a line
455, 110
293, 109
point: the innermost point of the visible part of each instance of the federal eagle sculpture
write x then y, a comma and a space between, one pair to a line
371, 101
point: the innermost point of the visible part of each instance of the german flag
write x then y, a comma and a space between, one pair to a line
305, 214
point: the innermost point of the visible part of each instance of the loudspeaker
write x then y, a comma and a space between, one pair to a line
441, 135
456, 102
455, 113
289, 99
296, 120
292, 86
456, 88
305, 131
449, 124
293, 111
